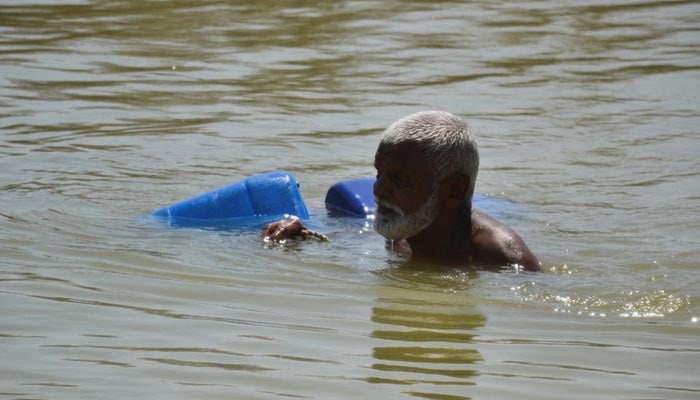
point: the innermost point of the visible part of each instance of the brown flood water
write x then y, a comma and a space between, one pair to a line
587, 118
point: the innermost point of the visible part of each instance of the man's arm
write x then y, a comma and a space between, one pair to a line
520, 254
496, 243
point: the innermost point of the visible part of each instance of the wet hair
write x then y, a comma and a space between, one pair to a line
448, 145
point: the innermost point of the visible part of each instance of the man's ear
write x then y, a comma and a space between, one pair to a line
455, 189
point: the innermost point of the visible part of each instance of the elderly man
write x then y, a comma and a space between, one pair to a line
426, 167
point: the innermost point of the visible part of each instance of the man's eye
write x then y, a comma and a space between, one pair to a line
399, 181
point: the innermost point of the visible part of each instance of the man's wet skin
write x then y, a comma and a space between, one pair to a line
429, 212
458, 235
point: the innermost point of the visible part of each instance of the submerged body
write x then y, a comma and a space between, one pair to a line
435, 216
426, 170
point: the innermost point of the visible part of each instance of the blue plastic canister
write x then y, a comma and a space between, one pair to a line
263, 195
351, 198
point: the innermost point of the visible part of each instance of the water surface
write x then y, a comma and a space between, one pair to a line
586, 114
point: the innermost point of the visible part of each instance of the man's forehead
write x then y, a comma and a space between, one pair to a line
403, 151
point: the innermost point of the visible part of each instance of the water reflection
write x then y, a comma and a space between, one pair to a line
425, 336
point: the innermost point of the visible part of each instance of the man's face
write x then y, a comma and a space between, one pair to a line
404, 191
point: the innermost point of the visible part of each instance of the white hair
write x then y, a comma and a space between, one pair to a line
449, 146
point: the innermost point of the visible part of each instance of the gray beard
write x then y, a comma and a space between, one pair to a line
397, 225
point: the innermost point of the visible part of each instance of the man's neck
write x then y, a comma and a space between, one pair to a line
448, 239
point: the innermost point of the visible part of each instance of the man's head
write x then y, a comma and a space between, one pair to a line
417, 157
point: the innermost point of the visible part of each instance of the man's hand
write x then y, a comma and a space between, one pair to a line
291, 228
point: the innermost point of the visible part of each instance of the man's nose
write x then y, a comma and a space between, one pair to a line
381, 188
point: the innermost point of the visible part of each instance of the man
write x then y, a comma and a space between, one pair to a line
426, 167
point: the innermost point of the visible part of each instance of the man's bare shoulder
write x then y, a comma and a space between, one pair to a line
496, 243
